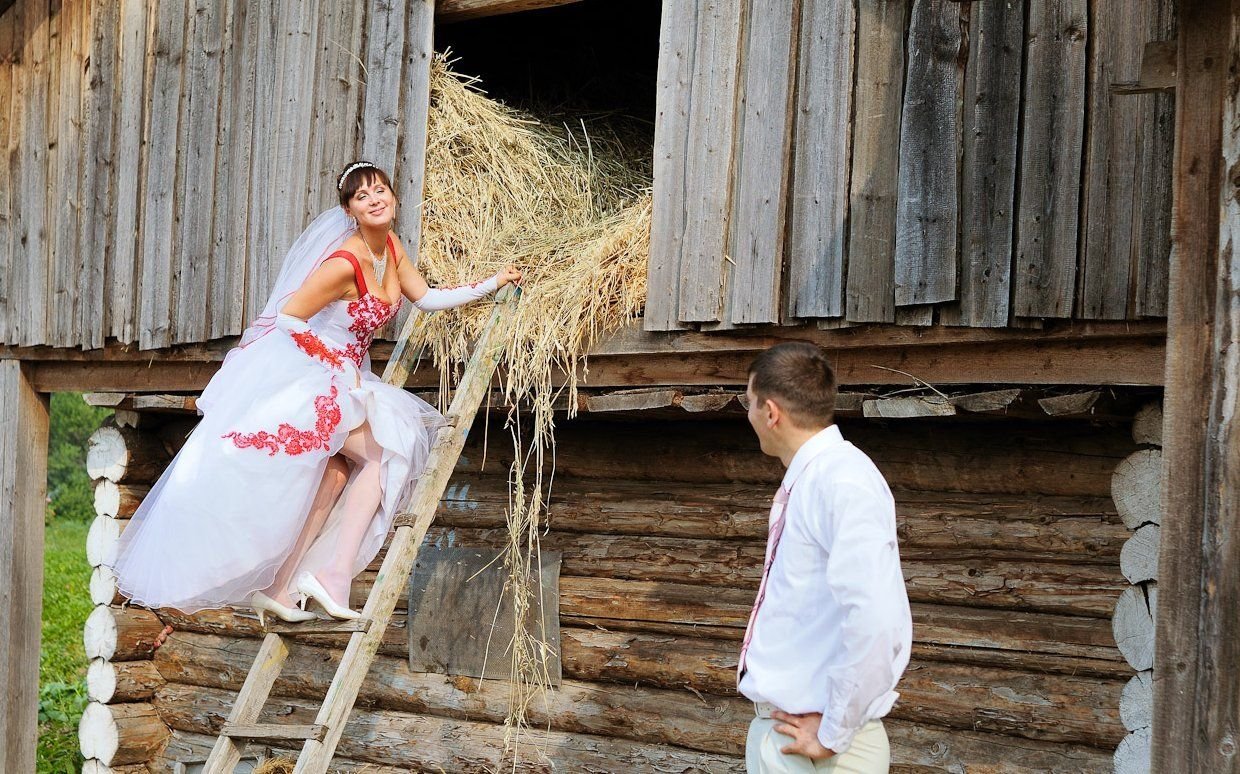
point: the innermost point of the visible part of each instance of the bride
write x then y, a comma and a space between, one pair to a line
288, 485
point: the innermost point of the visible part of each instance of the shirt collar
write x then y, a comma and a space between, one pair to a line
818, 443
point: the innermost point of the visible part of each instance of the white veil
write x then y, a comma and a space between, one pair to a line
320, 239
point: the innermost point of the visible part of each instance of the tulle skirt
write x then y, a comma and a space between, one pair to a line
225, 514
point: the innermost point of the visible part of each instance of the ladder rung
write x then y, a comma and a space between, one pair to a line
320, 626
313, 731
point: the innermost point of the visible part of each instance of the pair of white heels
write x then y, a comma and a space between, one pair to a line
310, 588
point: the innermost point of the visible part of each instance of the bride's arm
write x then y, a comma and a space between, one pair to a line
414, 287
325, 284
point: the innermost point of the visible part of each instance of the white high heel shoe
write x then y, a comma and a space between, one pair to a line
310, 587
263, 603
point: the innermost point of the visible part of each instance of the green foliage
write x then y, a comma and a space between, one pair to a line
68, 487
62, 662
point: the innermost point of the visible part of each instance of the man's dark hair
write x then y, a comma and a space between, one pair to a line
797, 376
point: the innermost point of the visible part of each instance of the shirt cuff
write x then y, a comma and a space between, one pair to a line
835, 738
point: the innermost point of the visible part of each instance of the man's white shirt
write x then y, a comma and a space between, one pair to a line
834, 630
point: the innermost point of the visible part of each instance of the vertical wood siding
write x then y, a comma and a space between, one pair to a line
160, 157
992, 173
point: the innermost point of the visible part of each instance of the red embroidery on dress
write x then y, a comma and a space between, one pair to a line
314, 347
289, 439
369, 313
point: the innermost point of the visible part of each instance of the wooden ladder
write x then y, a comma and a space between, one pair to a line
366, 633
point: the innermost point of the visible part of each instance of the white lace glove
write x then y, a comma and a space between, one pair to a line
309, 342
437, 299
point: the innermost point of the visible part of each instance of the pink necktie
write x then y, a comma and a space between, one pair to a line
776, 528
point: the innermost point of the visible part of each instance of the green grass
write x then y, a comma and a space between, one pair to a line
62, 661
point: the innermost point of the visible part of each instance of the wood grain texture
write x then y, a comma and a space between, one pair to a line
927, 205
23, 473
1201, 267
227, 251
197, 152
159, 175
881, 27
28, 320
818, 201
384, 57
695, 131
121, 276
1123, 168
99, 171
10, 117
261, 253
64, 196
989, 163
410, 169
757, 229
1046, 244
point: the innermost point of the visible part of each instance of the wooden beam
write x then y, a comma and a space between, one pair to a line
1158, 63
1196, 697
460, 10
23, 489
1024, 360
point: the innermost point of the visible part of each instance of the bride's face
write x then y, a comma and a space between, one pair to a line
373, 204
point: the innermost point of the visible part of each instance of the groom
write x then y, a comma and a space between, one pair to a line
830, 631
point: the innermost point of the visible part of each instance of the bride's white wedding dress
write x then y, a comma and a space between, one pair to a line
225, 514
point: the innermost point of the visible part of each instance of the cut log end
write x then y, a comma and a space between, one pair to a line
1133, 627
1133, 754
1136, 702
121, 734
1139, 558
1136, 487
121, 634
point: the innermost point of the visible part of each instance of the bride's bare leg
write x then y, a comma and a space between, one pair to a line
330, 487
358, 508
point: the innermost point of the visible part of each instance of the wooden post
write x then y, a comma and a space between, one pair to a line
1196, 695
23, 495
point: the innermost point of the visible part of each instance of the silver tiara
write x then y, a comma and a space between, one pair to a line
352, 167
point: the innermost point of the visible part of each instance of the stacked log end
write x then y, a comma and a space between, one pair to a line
120, 731
1137, 489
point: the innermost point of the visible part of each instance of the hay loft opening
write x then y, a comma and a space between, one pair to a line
594, 61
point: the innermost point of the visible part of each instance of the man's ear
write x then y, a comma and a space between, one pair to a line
773, 413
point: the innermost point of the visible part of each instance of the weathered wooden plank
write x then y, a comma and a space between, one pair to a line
64, 195
988, 164
384, 56
121, 318
196, 201
296, 49
247, 704
878, 101
23, 473
1157, 152
671, 133
262, 256
695, 134
10, 50
159, 175
411, 152
1053, 133
337, 97
226, 295
757, 228
98, 185
818, 203
28, 307
927, 206
1199, 443
1196, 707
1118, 165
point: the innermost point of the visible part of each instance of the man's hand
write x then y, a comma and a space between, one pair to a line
804, 732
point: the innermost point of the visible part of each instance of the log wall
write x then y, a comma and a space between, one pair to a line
1011, 546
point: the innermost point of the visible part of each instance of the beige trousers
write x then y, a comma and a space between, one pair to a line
869, 752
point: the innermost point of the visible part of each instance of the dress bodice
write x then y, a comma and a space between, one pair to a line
346, 328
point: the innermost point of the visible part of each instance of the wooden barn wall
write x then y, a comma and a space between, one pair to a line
1011, 549
162, 156
909, 161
